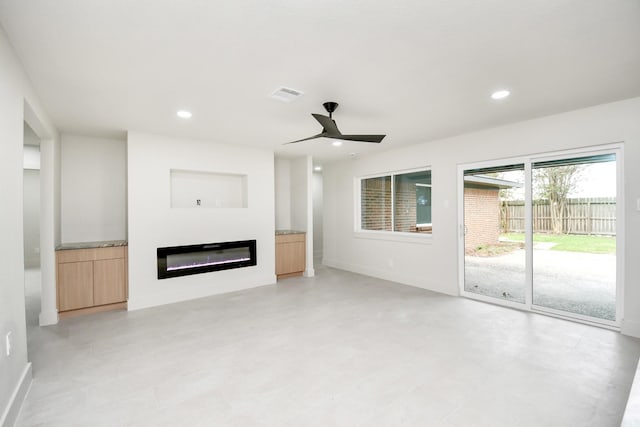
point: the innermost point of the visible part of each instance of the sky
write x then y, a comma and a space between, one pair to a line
598, 180
595, 180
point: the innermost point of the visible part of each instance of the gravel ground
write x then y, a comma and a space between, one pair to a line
570, 281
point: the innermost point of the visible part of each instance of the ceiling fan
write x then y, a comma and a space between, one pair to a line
330, 129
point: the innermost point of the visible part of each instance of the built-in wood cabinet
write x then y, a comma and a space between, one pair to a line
75, 285
109, 284
290, 255
91, 280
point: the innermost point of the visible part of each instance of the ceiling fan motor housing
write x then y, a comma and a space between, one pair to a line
330, 107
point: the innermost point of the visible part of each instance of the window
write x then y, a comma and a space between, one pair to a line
399, 202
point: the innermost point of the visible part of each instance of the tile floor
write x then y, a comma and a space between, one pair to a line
340, 349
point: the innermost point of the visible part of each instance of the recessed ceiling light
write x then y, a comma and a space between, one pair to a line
500, 94
184, 114
336, 143
317, 168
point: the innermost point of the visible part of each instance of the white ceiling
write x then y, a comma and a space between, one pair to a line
416, 70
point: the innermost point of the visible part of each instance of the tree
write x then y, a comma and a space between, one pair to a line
554, 184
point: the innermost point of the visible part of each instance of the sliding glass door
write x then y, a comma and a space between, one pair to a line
541, 234
574, 240
493, 266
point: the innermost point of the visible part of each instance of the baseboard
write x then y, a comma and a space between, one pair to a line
631, 328
92, 310
12, 410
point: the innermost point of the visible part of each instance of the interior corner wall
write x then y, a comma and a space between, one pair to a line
302, 205
154, 224
317, 215
299, 194
31, 148
15, 370
282, 181
31, 198
434, 263
93, 186
31, 217
50, 229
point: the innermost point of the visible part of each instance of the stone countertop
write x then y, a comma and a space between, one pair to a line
283, 232
91, 245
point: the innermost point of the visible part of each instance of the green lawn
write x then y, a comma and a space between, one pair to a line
571, 242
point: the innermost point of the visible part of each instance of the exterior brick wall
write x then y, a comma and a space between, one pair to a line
405, 213
376, 208
375, 203
481, 217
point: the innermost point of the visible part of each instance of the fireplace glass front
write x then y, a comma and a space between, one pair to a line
194, 259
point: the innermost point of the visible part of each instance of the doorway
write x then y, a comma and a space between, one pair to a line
542, 234
31, 228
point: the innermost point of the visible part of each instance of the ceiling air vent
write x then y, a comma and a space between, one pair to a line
286, 94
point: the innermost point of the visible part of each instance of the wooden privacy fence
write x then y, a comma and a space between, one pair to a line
582, 216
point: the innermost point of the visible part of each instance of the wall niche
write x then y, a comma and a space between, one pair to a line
199, 189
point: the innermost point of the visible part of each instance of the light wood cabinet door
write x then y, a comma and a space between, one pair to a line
290, 256
109, 281
75, 285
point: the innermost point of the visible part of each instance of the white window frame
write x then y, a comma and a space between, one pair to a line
400, 236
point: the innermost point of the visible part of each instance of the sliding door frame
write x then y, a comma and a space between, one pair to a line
461, 231
527, 161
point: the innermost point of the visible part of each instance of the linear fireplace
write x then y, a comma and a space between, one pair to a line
194, 259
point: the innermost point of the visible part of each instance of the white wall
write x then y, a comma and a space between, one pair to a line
31, 217
31, 148
50, 231
15, 371
93, 174
299, 194
282, 181
31, 198
153, 223
317, 214
191, 189
302, 204
433, 265
31, 157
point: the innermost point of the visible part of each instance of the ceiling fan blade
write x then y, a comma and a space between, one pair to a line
320, 135
330, 129
327, 123
361, 138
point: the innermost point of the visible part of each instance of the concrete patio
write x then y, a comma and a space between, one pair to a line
580, 283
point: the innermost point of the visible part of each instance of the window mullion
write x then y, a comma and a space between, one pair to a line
393, 203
